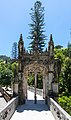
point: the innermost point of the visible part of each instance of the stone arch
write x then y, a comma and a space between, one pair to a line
35, 68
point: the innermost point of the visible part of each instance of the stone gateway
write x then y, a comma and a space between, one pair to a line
36, 62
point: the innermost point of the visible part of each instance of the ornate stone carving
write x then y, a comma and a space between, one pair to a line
36, 62
20, 47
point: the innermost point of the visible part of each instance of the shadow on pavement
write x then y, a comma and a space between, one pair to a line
40, 106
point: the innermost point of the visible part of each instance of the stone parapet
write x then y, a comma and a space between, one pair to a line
7, 112
58, 112
7, 93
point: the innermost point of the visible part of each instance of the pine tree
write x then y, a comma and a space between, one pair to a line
37, 28
14, 51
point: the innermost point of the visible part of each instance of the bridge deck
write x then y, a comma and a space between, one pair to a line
31, 111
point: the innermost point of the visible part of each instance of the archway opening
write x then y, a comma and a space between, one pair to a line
36, 80
35, 84
31, 80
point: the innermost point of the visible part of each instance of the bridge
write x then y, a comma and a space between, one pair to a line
31, 111
12, 111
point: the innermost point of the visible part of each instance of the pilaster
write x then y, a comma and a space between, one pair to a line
15, 82
20, 71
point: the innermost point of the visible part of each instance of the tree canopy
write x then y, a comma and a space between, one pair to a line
37, 28
14, 50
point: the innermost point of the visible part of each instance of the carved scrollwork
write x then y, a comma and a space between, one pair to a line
35, 68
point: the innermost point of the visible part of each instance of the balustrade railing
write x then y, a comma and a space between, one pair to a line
6, 93
58, 112
7, 112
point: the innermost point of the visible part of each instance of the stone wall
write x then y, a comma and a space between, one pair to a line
58, 112
9, 109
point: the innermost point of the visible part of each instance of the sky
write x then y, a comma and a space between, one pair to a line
15, 20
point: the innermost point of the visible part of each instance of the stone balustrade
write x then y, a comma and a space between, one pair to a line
7, 93
58, 112
7, 112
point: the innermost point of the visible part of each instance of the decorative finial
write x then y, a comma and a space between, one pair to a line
51, 46
51, 39
21, 39
21, 45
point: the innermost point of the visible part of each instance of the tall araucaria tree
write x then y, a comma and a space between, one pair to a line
14, 51
37, 28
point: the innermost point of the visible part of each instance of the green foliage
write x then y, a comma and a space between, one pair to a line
69, 44
65, 103
14, 66
39, 81
59, 53
5, 58
65, 78
31, 80
37, 27
5, 73
58, 47
69, 49
65, 75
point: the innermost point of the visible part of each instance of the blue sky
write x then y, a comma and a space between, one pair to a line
14, 20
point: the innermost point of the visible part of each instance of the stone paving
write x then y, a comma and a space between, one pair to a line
3, 103
31, 111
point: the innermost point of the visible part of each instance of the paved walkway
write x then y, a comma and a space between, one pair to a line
2, 102
31, 111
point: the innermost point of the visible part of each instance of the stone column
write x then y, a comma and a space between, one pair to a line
35, 97
25, 86
47, 84
20, 90
20, 70
15, 88
50, 80
43, 86
51, 76
46, 91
